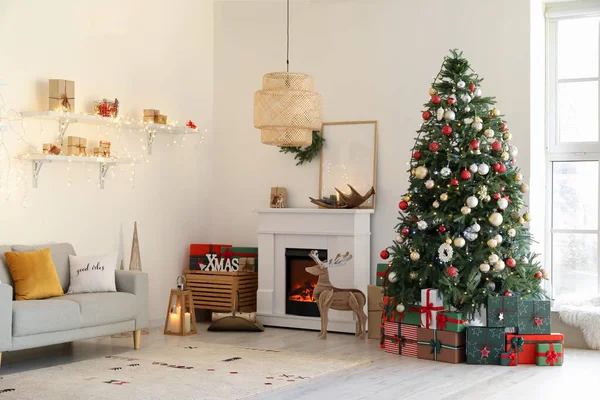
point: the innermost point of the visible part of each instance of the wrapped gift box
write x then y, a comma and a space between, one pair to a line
502, 312
484, 345
389, 309
278, 197
432, 302
450, 321
150, 114
510, 359
160, 119
61, 95
198, 253
82, 146
534, 317
409, 340
374, 308
249, 253
72, 146
382, 269
391, 337
411, 315
525, 345
549, 354
444, 346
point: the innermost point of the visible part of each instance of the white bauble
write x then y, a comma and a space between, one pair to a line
439, 114
415, 256
477, 92
498, 239
492, 243
484, 267
502, 204
445, 172
506, 146
467, 109
483, 169
400, 308
487, 198
475, 227
488, 133
470, 236
468, 121
518, 177
525, 260
460, 84
524, 188
477, 126
493, 258
465, 210
459, 242
545, 273
399, 239
473, 168
495, 219
422, 225
421, 172
429, 184
504, 156
499, 265
507, 136
449, 115
444, 196
514, 151
511, 232
392, 277
465, 98
495, 112
472, 201
436, 204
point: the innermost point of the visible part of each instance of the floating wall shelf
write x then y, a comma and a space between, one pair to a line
65, 119
104, 164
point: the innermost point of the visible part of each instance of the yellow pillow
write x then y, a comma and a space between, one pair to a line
34, 275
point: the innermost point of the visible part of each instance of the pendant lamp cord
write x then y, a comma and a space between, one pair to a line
288, 38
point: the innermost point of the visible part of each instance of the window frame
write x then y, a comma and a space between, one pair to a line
557, 151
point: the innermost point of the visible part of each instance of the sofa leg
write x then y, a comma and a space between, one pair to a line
137, 337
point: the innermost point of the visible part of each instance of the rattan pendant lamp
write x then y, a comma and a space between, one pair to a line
287, 109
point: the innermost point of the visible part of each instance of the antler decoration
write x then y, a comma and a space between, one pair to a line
339, 260
352, 200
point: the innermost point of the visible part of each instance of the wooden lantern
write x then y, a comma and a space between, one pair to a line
181, 320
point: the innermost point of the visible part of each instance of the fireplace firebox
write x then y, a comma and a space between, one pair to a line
300, 284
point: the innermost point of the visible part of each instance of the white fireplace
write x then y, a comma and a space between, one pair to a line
335, 231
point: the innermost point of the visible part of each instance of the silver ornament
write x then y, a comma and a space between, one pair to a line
439, 114
460, 84
475, 227
436, 204
445, 172
484, 267
472, 201
473, 168
449, 115
483, 169
422, 225
392, 277
400, 308
429, 184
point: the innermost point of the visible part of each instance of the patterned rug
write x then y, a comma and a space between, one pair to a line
199, 371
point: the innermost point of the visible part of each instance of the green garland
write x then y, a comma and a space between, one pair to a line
306, 154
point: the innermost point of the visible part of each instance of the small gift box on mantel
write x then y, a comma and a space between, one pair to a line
150, 114
61, 95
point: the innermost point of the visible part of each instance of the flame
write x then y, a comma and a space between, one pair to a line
306, 295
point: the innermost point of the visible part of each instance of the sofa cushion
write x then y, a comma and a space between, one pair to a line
32, 317
103, 308
34, 275
60, 256
4, 272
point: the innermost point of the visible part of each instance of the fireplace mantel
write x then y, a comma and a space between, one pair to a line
338, 231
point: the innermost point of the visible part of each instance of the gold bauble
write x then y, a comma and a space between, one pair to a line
518, 177
432, 91
521, 220
413, 172
527, 217
448, 240
406, 198
413, 275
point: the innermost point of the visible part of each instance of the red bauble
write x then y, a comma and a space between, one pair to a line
403, 205
447, 130
384, 254
513, 161
442, 228
474, 144
496, 146
502, 168
436, 99
454, 182
496, 166
451, 100
472, 87
465, 175
451, 271
538, 274
507, 294
496, 196
405, 231
413, 219
503, 127
417, 155
510, 262
434, 146
426, 115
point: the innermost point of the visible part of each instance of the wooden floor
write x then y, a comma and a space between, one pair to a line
387, 377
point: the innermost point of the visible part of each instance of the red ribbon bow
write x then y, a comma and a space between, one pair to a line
551, 357
427, 309
513, 358
227, 254
442, 319
190, 124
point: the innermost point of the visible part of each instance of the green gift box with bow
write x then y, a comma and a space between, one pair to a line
510, 358
410, 316
502, 312
450, 321
444, 346
549, 354
382, 269
534, 317
484, 345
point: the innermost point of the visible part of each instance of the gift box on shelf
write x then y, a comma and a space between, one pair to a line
509, 359
46, 148
72, 146
160, 119
374, 309
444, 346
150, 114
198, 253
391, 337
549, 354
278, 197
431, 303
502, 312
526, 345
106, 108
534, 317
61, 95
484, 345
82, 146
104, 148
248, 254
382, 269
450, 321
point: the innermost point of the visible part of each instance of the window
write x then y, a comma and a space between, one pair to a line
573, 149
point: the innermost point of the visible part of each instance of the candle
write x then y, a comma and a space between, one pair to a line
337, 197
176, 320
188, 322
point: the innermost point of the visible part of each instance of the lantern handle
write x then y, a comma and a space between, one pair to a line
181, 285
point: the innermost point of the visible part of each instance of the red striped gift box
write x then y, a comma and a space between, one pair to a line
391, 341
408, 340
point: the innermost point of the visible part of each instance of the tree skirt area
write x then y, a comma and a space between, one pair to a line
199, 371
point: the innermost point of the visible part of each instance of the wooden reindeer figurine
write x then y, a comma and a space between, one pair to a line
328, 296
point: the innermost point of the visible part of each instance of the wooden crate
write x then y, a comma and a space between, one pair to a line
217, 290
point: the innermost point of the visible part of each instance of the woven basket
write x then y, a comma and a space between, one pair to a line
287, 109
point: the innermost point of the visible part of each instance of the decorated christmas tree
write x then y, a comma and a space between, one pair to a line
461, 226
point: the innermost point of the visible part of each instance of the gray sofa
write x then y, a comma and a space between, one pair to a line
34, 323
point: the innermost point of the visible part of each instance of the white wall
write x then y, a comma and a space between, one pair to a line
149, 54
371, 59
